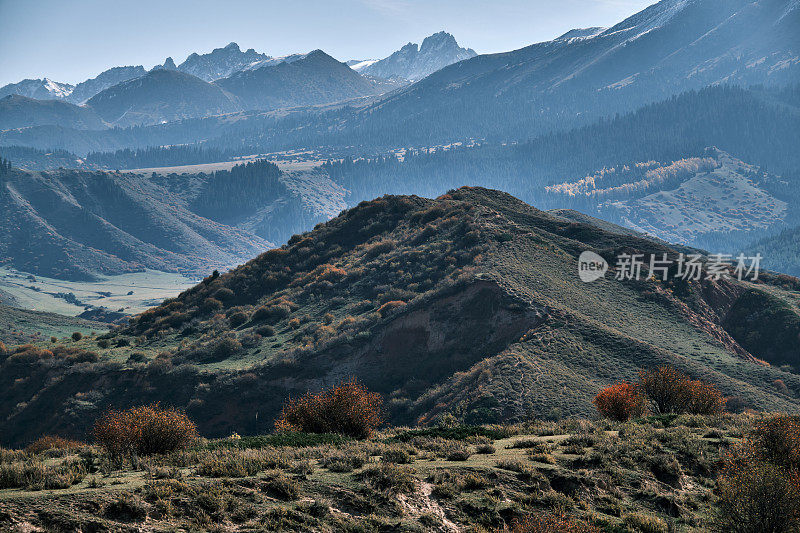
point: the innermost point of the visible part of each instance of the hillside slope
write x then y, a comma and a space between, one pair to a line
20, 326
161, 96
23, 112
73, 224
108, 78
669, 47
468, 304
315, 79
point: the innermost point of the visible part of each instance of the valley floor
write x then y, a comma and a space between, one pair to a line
655, 474
133, 293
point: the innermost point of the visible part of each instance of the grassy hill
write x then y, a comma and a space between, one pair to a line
468, 305
20, 326
652, 475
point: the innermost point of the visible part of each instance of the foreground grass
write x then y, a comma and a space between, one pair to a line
655, 474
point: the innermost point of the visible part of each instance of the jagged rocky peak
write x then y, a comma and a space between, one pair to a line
441, 41
414, 62
169, 64
221, 62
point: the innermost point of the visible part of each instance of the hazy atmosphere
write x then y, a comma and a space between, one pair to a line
74, 40
400, 266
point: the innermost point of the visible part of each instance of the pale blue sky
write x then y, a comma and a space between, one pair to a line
71, 40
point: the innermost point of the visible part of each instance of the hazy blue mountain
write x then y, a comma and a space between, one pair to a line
413, 62
671, 46
86, 89
272, 61
43, 89
220, 62
161, 96
317, 78
46, 89
572, 81
20, 112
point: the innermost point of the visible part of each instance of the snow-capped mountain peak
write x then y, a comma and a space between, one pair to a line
40, 89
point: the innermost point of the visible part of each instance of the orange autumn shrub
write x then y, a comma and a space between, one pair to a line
621, 402
144, 430
671, 391
705, 399
348, 409
51, 442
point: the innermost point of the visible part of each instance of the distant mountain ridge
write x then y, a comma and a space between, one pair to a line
43, 89
108, 78
413, 62
669, 47
21, 112
131, 96
316, 78
220, 62
161, 96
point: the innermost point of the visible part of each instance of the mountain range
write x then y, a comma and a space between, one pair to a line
220, 62
396, 294
168, 95
713, 169
348, 227
672, 46
161, 96
409, 63
534, 109
43, 89
573, 80
316, 78
130, 96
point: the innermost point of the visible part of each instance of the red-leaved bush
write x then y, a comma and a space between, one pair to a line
145, 430
348, 409
621, 402
666, 390
672, 391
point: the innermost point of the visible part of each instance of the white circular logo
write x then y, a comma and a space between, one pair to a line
591, 267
